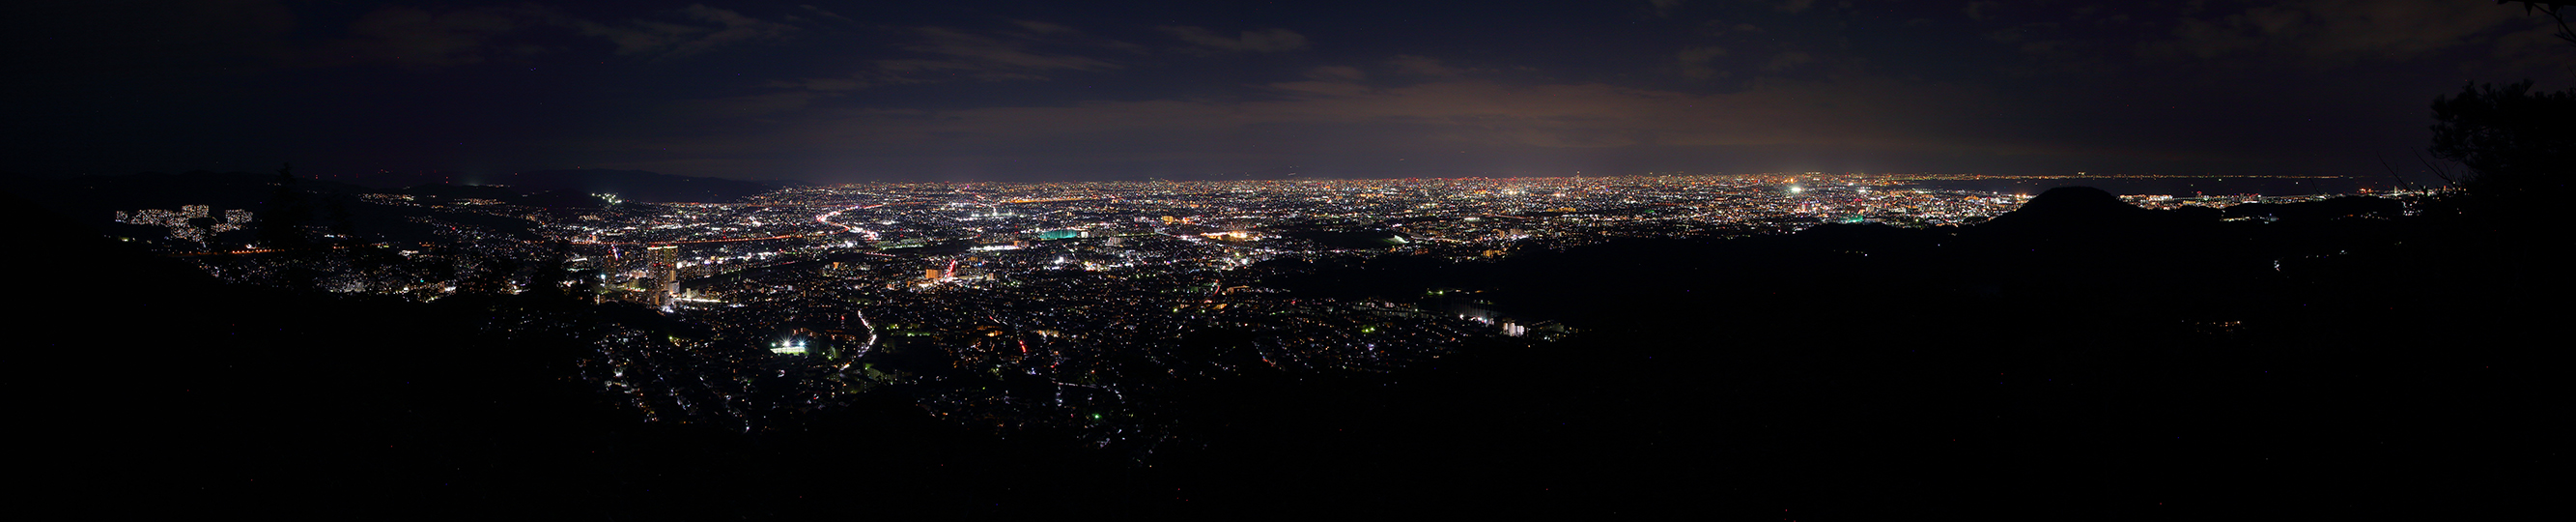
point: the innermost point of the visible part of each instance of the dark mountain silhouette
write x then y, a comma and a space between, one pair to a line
337, 207
2073, 206
443, 190
441, 193
560, 199
632, 185
87, 195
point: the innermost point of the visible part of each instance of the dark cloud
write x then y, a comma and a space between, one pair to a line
2334, 32
1981, 10
980, 57
943, 54
1695, 61
415, 36
1260, 41
1339, 73
711, 28
1411, 65
1038, 27
826, 14
1663, 7
1788, 60
821, 84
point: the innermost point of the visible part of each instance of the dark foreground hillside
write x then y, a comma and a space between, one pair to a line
2082, 359
2079, 360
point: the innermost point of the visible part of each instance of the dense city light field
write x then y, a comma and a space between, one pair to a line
1072, 305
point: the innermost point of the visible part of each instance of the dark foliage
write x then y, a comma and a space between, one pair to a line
2519, 145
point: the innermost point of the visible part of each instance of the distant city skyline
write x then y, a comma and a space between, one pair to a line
978, 91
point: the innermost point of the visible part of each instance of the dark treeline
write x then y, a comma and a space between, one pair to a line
2080, 358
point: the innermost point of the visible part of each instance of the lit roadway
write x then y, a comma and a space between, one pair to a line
785, 236
826, 218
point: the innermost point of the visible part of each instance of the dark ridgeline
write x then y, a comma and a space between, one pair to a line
633, 185
283, 202
572, 184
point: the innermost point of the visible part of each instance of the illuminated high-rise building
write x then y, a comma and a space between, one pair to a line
665, 260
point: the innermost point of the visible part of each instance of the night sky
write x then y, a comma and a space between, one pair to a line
1037, 91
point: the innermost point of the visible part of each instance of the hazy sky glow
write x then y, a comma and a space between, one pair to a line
1028, 91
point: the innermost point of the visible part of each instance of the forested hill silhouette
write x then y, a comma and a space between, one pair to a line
2072, 207
628, 185
632, 185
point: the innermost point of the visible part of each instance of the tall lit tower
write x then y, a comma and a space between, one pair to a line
665, 260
